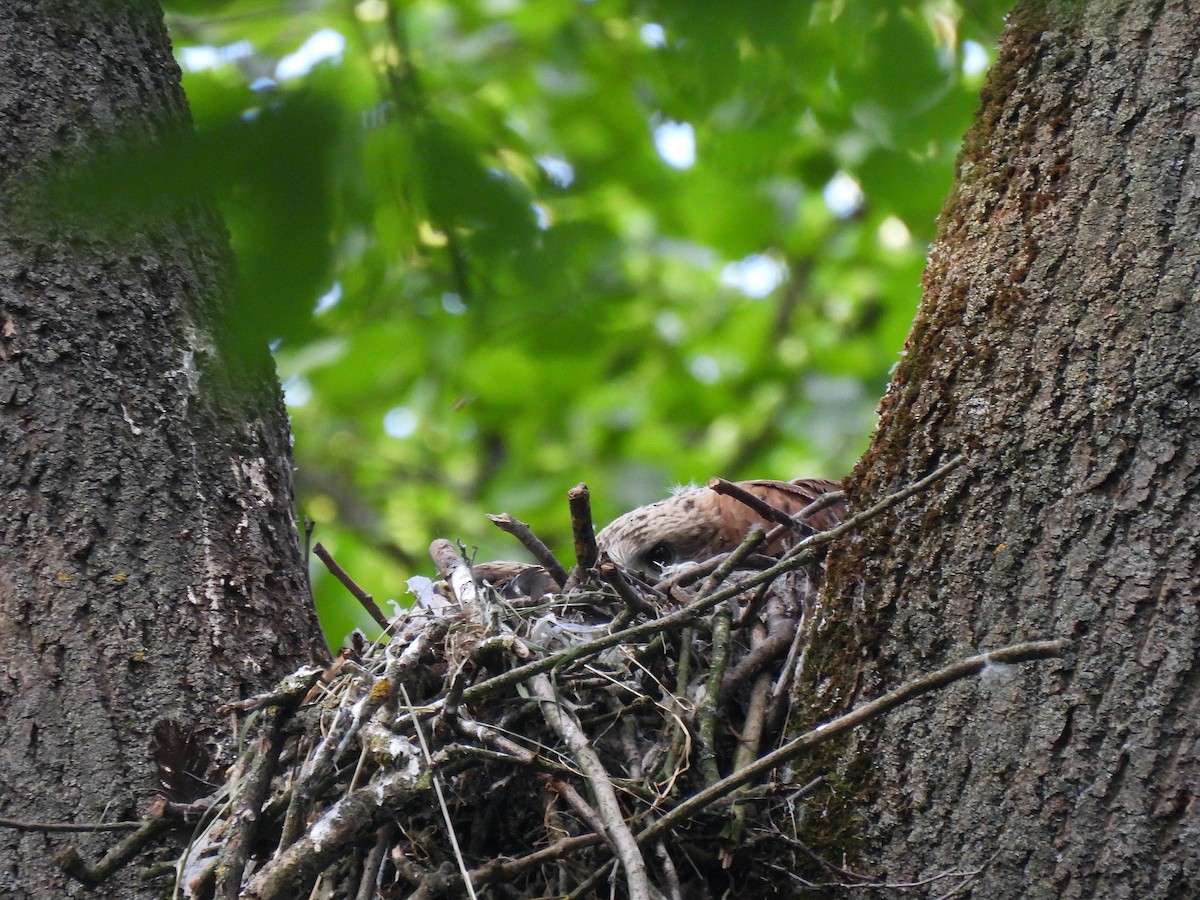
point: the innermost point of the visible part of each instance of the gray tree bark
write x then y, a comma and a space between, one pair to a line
149, 562
1058, 348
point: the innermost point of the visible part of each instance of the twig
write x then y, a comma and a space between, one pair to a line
756, 503
485, 734
291, 689
69, 827
608, 807
586, 552
350, 720
636, 605
871, 512
367, 601
751, 734
533, 544
706, 715
291, 873
248, 799
434, 884
664, 623
454, 569
504, 869
373, 864
683, 678
751, 542
674, 888
781, 628
580, 806
1016, 653
801, 518
441, 798
126, 849
793, 662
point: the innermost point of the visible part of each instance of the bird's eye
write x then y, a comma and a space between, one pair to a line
661, 555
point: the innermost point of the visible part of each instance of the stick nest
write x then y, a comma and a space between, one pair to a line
584, 742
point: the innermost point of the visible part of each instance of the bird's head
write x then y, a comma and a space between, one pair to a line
699, 523
681, 529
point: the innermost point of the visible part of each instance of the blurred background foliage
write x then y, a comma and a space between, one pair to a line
503, 246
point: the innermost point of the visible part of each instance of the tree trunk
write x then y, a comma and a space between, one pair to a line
149, 563
1058, 348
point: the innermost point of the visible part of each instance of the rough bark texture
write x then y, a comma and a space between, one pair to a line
149, 567
1058, 347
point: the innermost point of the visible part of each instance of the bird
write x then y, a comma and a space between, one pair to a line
700, 522
513, 580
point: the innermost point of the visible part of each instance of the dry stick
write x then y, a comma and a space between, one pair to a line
441, 798
367, 601
634, 603
246, 813
290, 691
580, 806
505, 868
679, 734
510, 751
350, 720
455, 570
373, 864
125, 850
608, 807
681, 616
533, 544
852, 522
292, 872
463, 671
674, 888
756, 503
435, 884
690, 574
751, 542
24, 825
1015, 653
749, 741
579, 501
801, 518
792, 664
781, 628
706, 714
695, 573
750, 736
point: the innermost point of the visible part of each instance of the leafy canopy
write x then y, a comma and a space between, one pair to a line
502, 247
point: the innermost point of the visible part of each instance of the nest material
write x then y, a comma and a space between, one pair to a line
528, 746
578, 736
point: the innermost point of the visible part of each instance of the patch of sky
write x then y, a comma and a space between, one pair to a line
676, 143
321, 46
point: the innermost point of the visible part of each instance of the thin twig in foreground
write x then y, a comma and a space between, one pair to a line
607, 806
367, 601
1016, 653
441, 798
532, 543
67, 827
753, 501
801, 518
